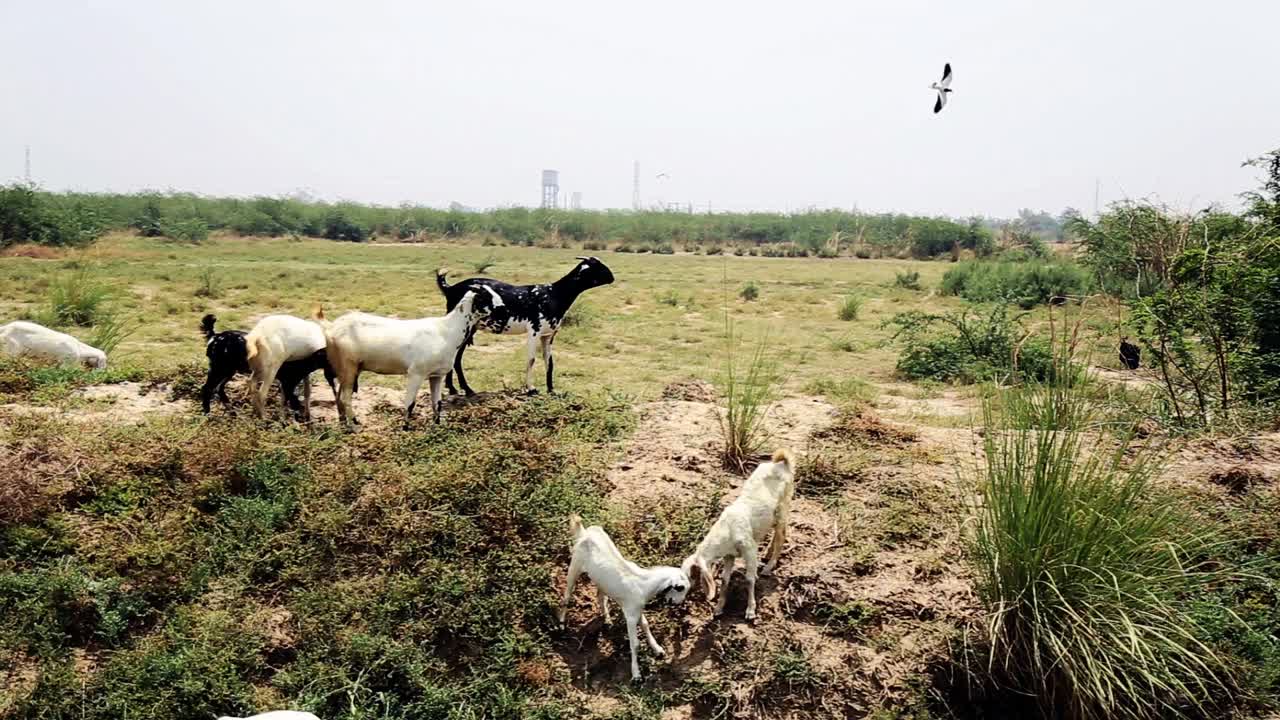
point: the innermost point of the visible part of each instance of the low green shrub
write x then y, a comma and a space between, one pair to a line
1025, 283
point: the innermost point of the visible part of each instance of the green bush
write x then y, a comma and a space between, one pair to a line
27, 215
1025, 283
969, 346
909, 280
750, 291
849, 308
78, 298
1084, 567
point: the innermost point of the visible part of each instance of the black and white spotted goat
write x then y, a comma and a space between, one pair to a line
535, 310
228, 356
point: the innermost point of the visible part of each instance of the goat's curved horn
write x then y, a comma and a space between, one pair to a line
583, 257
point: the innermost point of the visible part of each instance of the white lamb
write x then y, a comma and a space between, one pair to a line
274, 341
763, 506
422, 349
628, 584
22, 338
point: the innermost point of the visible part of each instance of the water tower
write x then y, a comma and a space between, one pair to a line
550, 188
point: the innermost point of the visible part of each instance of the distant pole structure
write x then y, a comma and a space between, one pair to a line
27, 165
550, 188
575, 200
635, 187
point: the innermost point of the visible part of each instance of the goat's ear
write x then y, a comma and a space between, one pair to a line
708, 580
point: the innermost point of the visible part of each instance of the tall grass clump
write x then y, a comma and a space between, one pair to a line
749, 291
1026, 284
1085, 568
111, 329
850, 307
748, 387
77, 298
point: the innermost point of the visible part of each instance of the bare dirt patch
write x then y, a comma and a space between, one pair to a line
867, 595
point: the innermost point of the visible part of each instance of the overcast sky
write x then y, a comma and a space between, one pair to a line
746, 105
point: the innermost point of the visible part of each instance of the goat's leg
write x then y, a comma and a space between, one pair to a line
346, 413
575, 569
603, 601
306, 398
548, 362
529, 389
780, 520
653, 644
751, 559
457, 367
437, 404
725, 575
411, 396
631, 635
265, 381
213, 383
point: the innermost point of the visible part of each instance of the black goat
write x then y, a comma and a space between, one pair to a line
1130, 355
536, 310
228, 353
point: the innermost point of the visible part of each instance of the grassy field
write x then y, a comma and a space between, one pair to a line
662, 320
160, 564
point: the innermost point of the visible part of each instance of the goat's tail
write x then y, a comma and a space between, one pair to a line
784, 456
575, 525
441, 282
206, 325
318, 316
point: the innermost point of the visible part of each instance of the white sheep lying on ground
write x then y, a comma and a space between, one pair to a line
22, 338
422, 349
621, 580
763, 506
274, 341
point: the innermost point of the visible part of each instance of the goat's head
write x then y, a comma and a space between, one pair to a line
590, 273
675, 585
95, 361
480, 304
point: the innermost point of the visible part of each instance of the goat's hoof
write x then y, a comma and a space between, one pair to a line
660, 652
470, 393
766, 572
531, 391
751, 616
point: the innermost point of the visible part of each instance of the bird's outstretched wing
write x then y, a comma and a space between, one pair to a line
946, 76
942, 100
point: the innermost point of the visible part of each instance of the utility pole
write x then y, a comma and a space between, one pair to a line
27, 173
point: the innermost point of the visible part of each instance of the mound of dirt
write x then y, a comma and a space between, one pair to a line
690, 391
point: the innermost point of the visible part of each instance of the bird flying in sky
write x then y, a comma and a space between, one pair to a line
943, 88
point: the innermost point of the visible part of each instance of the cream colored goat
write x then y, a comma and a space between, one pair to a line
763, 506
274, 341
621, 580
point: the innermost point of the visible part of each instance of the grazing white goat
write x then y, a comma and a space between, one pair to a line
274, 341
27, 338
276, 715
763, 506
616, 577
422, 349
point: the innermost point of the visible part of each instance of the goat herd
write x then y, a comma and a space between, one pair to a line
287, 350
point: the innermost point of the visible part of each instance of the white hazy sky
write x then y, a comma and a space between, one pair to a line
746, 105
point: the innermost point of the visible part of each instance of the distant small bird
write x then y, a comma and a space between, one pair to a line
942, 88
661, 176
1130, 355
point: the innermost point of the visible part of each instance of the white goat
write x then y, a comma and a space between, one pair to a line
763, 506
422, 349
274, 341
27, 338
628, 584
276, 715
